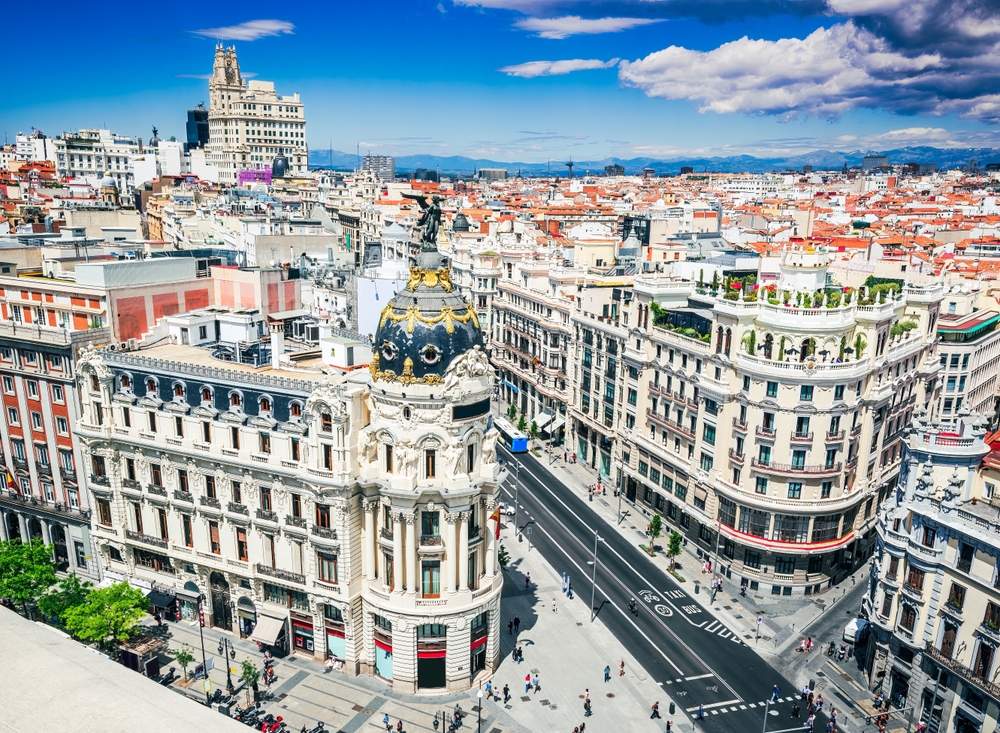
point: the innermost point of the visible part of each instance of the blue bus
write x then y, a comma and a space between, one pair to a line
514, 439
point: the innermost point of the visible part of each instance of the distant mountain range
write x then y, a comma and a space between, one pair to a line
819, 159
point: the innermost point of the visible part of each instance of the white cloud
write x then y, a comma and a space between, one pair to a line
532, 69
249, 31
573, 25
824, 75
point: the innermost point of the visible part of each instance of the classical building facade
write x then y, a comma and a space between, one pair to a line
345, 516
250, 124
769, 428
934, 596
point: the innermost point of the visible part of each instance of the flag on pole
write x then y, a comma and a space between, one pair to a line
495, 516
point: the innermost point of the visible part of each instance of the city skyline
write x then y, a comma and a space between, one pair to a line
530, 80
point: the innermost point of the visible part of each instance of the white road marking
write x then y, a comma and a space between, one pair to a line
699, 677
634, 570
713, 705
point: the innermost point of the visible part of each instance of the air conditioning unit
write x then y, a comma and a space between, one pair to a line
111, 347
133, 344
123, 346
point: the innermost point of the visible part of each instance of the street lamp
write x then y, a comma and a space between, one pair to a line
479, 711
593, 579
227, 653
201, 634
620, 465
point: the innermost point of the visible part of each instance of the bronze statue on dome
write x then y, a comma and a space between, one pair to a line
430, 220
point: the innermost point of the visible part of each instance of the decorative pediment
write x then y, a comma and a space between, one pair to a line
150, 401
125, 398
263, 421
237, 418
205, 410
296, 428
179, 408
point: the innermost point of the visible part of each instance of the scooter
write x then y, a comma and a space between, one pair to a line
743, 591
831, 649
841, 653
319, 728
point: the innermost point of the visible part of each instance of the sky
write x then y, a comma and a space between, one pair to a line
532, 80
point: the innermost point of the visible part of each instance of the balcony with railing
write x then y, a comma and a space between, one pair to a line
183, 496
49, 507
299, 522
267, 516
763, 431
99, 480
990, 688
736, 457
795, 468
236, 508
740, 425
145, 539
798, 437
431, 540
131, 483
157, 490
280, 574
210, 501
326, 533
834, 435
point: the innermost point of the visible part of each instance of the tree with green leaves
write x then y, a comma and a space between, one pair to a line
674, 547
249, 674
27, 571
109, 614
512, 412
522, 423
503, 557
70, 592
184, 657
533, 430
715, 280
655, 530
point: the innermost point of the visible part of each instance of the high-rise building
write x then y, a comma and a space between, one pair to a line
492, 174
383, 166
249, 123
197, 128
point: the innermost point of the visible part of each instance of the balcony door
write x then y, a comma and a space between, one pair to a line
948, 640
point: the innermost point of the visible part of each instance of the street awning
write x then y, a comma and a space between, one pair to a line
158, 599
510, 385
268, 629
700, 493
556, 424
544, 419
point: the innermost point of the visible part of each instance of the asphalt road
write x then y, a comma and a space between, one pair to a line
696, 659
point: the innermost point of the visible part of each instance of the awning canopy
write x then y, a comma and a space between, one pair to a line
268, 629
544, 419
700, 493
510, 385
556, 424
158, 599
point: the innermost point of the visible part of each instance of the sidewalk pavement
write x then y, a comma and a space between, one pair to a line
566, 650
784, 619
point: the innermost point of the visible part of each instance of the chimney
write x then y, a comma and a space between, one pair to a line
277, 343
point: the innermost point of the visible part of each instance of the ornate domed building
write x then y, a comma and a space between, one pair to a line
432, 580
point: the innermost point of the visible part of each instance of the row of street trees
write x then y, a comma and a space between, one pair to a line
106, 616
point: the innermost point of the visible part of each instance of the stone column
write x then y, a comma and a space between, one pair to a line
23, 524
451, 553
369, 543
46, 532
463, 551
411, 553
397, 552
3, 526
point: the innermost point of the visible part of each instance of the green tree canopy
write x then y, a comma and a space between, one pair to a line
655, 530
184, 657
27, 571
674, 545
109, 614
522, 423
511, 411
70, 592
249, 674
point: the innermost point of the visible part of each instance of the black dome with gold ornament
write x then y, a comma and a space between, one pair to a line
424, 327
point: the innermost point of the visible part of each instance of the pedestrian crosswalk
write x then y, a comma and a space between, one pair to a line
723, 708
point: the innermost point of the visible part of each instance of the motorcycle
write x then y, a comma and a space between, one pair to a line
743, 591
633, 608
841, 653
831, 649
320, 729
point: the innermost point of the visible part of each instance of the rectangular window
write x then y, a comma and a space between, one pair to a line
470, 459
32, 386
929, 536
825, 489
182, 481
296, 505
206, 431
104, 512
234, 434
784, 565
886, 605
210, 487
772, 389
265, 499
908, 617
127, 417
831, 458
130, 469
326, 422
12, 416
152, 422
643, 468
992, 618
706, 462
162, 516
296, 453
179, 426
326, 567
431, 578
709, 434
328, 456
746, 383
794, 490
430, 463
755, 522
57, 394
798, 459
727, 512
137, 516
956, 597
751, 559
322, 516
237, 492
213, 538
761, 485
388, 458
241, 544
893, 570
680, 492
8, 385
915, 579
806, 393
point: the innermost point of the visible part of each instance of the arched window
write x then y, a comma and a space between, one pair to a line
295, 409
265, 404
235, 400
729, 340
206, 394
150, 386
95, 384
178, 389
126, 381
718, 340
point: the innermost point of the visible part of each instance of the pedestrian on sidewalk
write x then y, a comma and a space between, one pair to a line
701, 712
586, 702
527, 579
520, 655
656, 710
775, 693
489, 690
506, 694
809, 644
805, 692
527, 682
810, 723
621, 669
795, 710
399, 726
555, 608
510, 626
536, 684
819, 704
517, 623
670, 726
607, 673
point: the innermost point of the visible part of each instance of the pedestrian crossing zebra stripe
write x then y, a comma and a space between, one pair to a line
725, 709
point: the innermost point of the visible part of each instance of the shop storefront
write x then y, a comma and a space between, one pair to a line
383, 647
480, 634
187, 602
432, 642
336, 642
302, 633
162, 603
246, 614
271, 632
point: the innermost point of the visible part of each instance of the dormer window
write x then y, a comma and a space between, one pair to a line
206, 394
295, 409
178, 390
150, 386
265, 404
235, 400
126, 382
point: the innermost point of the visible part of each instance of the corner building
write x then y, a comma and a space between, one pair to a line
344, 516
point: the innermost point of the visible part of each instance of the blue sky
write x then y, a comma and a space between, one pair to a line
536, 79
